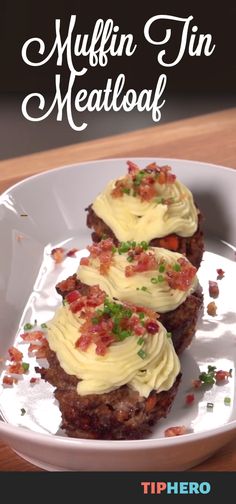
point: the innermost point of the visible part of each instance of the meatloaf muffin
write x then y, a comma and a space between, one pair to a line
113, 366
149, 204
156, 278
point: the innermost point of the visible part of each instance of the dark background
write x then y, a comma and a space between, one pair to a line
196, 85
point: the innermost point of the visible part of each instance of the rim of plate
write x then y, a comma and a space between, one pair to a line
91, 444
52, 170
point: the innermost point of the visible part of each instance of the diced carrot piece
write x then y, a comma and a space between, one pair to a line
170, 242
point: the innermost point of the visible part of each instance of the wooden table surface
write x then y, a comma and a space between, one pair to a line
210, 138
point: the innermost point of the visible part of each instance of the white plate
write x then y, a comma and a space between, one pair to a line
54, 203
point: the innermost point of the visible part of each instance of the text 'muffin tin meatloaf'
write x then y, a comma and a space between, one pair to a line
156, 278
113, 366
149, 204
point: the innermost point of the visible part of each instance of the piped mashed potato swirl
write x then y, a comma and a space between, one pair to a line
139, 288
131, 218
121, 364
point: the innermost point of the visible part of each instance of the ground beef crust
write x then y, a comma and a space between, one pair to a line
181, 322
120, 414
192, 247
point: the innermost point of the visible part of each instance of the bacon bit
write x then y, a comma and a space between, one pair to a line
41, 353
72, 252
19, 237
181, 279
189, 399
119, 189
211, 309
39, 350
222, 375
220, 274
94, 298
83, 342
114, 322
72, 296
77, 305
150, 403
146, 261
143, 182
34, 379
147, 192
103, 251
213, 289
133, 169
33, 347
196, 384
15, 355
16, 368
33, 336
175, 431
67, 285
58, 254
8, 380
170, 242
84, 261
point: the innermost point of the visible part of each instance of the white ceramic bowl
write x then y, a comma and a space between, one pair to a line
54, 203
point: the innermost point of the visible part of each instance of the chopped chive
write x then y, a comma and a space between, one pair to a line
124, 247
154, 280
176, 267
141, 315
95, 320
169, 334
161, 268
142, 354
145, 289
139, 177
23, 411
25, 366
144, 245
130, 258
124, 334
209, 377
210, 406
44, 326
127, 313
126, 190
113, 250
159, 200
140, 341
227, 401
211, 369
28, 326
64, 302
158, 279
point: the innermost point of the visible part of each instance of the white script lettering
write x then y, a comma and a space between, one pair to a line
110, 98
208, 50
104, 40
